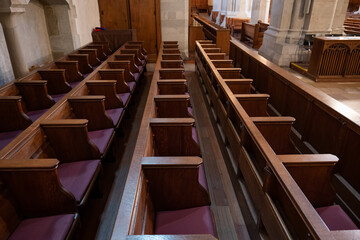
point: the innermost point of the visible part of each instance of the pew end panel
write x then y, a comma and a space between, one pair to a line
69, 139
108, 89
255, 105
172, 106
72, 70
172, 64
83, 61
16, 118
172, 73
174, 137
56, 80
36, 187
93, 109
115, 74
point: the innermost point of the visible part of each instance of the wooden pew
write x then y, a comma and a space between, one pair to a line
172, 73
31, 207
100, 50
217, 56
283, 210
171, 57
160, 139
236, 25
222, 63
172, 64
230, 73
173, 106
253, 34
172, 86
134, 68
158, 201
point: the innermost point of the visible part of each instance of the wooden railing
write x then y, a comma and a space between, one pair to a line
220, 36
321, 121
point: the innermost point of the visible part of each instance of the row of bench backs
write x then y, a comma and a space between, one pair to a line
290, 192
54, 167
27, 98
352, 26
166, 190
253, 34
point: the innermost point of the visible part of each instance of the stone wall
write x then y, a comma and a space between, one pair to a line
174, 23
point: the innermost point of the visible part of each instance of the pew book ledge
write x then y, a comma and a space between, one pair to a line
166, 98
150, 162
20, 164
172, 237
278, 120
65, 122
251, 96
167, 122
307, 159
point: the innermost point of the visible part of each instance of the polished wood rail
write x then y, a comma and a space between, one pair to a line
220, 36
283, 203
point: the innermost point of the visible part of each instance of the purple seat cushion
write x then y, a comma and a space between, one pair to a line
53, 227
335, 218
7, 137
125, 97
136, 76
140, 68
190, 111
202, 177
146, 57
194, 135
187, 93
76, 176
115, 114
33, 115
101, 138
143, 62
57, 97
196, 220
74, 84
85, 75
131, 85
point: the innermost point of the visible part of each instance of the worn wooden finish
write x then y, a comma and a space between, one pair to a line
281, 207
335, 59
217, 34
172, 106
311, 108
253, 34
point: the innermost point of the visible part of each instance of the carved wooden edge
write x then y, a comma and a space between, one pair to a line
160, 162
171, 81
238, 81
175, 97
229, 69
308, 159
277, 120
23, 164
169, 122
64, 123
86, 98
251, 96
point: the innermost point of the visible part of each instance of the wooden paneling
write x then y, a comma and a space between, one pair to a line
114, 14
143, 19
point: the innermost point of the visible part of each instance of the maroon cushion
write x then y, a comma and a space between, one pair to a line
33, 115
73, 84
57, 97
202, 177
7, 137
76, 176
194, 135
53, 227
196, 220
125, 97
115, 114
101, 138
190, 111
131, 85
136, 76
335, 218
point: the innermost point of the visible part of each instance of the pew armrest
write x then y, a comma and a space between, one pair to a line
312, 172
168, 122
182, 188
34, 196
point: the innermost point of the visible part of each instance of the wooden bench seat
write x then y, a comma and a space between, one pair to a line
172, 64
92, 53
253, 34
125, 65
172, 86
171, 56
138, 47
223, 63
181, 131
174, 211
173, 106
31, 211
171, 46
213, 50
172, 73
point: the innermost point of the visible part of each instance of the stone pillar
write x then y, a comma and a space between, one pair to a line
6, 71
13, 34
339, 17
260, 11
293, 21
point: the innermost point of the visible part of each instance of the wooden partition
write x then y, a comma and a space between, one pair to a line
267, 156
220, 36
253, 34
